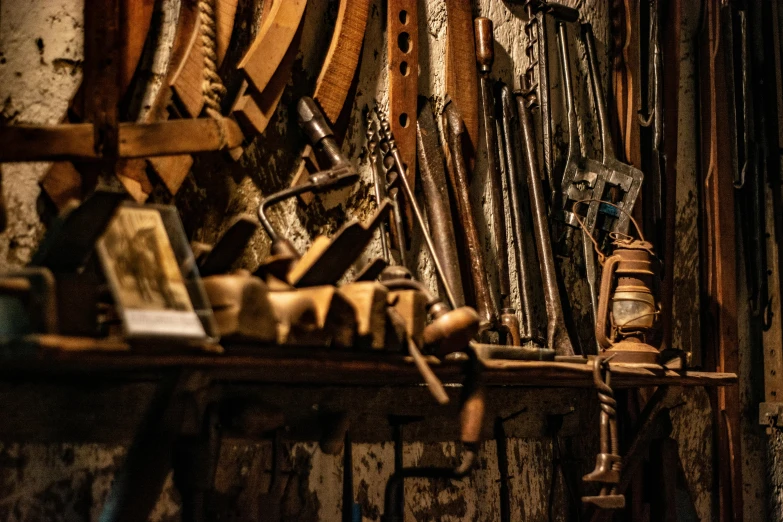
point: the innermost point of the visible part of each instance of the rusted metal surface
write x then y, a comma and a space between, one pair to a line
436, 198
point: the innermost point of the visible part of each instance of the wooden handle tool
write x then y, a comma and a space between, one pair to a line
458, 175
485, 55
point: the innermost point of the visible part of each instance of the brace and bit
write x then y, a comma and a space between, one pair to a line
589, 179
341, 172
608, 463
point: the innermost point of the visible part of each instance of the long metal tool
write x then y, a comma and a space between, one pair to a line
485, 306
394, 153
586, 178
520, 225
557, 337
485, 56
379, 185
436, 197
537, 72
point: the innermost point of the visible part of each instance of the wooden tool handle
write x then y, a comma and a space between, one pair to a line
436, 198
485, 43
459, 180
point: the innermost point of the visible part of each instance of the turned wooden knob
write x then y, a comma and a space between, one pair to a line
452, 331
485, 43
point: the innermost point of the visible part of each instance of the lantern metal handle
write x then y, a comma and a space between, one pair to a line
603, 301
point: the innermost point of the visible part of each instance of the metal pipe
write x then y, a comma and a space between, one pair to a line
557, 337
518, 222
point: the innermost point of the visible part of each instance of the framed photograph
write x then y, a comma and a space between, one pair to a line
152, 275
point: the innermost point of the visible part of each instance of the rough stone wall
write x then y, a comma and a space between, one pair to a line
40, 69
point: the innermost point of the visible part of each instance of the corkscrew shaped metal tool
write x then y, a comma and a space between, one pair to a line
608, 463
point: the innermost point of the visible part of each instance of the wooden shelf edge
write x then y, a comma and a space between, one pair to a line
293, 365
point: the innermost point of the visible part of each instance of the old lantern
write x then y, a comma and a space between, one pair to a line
627, 310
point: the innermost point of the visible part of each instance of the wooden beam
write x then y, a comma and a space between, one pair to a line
720, 304
403, 52
773, 335
76, 141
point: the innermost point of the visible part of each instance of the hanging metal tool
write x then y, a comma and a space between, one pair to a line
393, 155
485, 306
586, 178
485, 56
557, 337
379, 185
750, 170
340, 174
608, 463
537, 73
654, 193
436, 197
520, 222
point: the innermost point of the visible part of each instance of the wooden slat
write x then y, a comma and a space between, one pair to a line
273, 41
461, 74
178, 136
670, 47
56, 354
136, 140
41, 143
773, 335
403, 53
62, 183
720, 263
254, 110
102, 66
137, 16
341, 61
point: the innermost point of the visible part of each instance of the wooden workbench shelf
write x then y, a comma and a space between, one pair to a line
294, 365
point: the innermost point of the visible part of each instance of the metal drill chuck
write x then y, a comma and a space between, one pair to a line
313, 123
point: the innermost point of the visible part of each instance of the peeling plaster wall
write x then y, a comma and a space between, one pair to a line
40, 69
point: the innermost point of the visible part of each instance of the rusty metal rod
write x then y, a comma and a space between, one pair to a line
436, 197
485, 306
557, 337
394, 152
519, 226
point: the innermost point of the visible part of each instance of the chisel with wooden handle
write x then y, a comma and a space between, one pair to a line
458, 174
